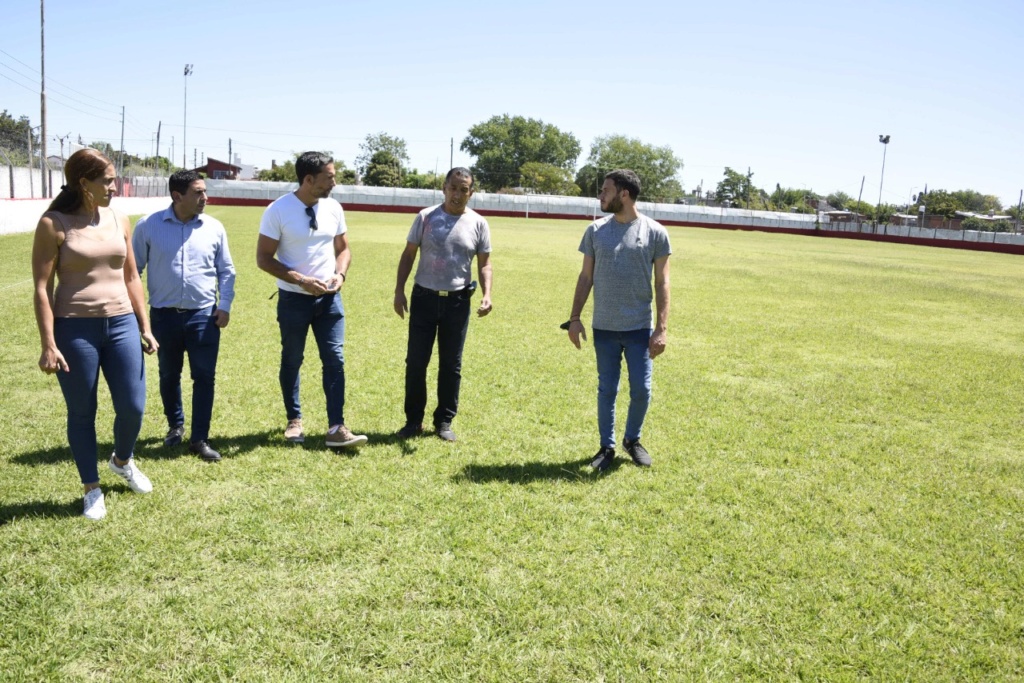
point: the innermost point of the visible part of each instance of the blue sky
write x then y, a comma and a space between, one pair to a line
796, 91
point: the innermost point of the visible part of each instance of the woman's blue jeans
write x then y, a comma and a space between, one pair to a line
296, 313
610, 347
90, 345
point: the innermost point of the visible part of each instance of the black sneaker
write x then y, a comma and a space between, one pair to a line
203, 450
174, 436
444, 431
603, 459
409, 431
639, 454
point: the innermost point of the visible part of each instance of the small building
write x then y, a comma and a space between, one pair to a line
844, 217
219, 170
902, 219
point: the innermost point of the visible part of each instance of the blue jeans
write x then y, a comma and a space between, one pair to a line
447, 319
181, 331
90, 345
296, 313
610, 347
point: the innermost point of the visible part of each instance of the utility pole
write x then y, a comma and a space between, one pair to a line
172, 155
42, 94
158, 126
451, 156
195, 157
120, 154
31, 190
859, 195
62, 139
1020, 203
230, 159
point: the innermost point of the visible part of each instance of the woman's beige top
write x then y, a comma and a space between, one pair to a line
90, 269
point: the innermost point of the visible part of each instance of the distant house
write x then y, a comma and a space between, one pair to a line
844, 216
902, 219
983, 216
219, 170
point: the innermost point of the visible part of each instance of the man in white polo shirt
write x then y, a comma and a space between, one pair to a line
303, 243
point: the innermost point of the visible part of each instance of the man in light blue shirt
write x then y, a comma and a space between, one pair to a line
189, 266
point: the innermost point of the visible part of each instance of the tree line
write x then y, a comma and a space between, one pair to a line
516, 154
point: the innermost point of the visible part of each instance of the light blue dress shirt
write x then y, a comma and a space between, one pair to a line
189, 263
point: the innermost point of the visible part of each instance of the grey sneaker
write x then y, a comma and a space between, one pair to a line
444, 431
293, 432
639, 454
138, 481
603, 459
340, 436
174, 436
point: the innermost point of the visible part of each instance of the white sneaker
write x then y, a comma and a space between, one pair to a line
95, 508
138, 481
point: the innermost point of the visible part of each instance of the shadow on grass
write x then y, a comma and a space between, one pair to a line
526, 473
39, 508
51, 508
153, 449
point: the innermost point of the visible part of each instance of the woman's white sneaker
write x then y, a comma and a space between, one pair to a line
138, 481
95, 508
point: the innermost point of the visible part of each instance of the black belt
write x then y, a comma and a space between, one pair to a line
179, 310
465, 291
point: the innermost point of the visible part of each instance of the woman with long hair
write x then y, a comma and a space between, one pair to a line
94, 319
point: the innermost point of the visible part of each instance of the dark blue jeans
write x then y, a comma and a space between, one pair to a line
181, 331
90, 345
296, 313
610, 348
445, 318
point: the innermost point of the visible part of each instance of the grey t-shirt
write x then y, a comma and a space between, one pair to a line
624, 256
447, 245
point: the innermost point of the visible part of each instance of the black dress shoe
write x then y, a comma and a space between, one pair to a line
409, 431
203, 450
444, 431
174, 436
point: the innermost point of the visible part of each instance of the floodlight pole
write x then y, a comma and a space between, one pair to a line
184, 124
884, 139
42, 96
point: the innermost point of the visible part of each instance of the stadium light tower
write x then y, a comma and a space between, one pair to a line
884, 139
184, 124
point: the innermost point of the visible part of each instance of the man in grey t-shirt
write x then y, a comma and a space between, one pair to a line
620, 252
449, 235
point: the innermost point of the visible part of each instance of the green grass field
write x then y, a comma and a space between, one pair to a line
836, 494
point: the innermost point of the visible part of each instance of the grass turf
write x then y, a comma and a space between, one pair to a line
836, 491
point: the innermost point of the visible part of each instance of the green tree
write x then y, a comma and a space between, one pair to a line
422, 181
14, 135
657, 167
502, 144
381, 142
839, 199
977, 202
863, 208
548, 179
281, 173
735, 188
383, 170
285, 173
793, 200
940, 203
344, 176
973, 223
